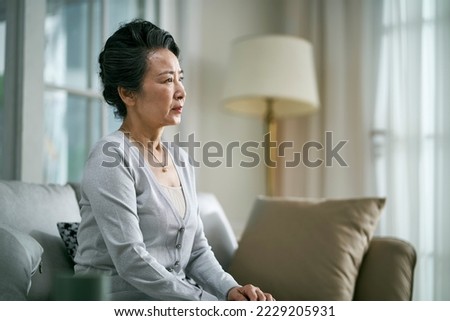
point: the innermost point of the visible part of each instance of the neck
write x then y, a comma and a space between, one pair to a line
148, 137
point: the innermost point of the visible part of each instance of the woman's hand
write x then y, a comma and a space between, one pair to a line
248, 293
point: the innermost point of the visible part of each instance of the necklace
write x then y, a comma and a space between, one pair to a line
163, 164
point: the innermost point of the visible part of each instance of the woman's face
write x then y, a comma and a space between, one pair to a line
160, 101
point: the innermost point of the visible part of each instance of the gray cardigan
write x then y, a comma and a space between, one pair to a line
130, 231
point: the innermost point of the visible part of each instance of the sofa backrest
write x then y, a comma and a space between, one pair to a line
35, 209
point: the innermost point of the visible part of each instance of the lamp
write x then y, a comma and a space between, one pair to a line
271, 76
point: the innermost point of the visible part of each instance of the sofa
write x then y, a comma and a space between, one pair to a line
288, 248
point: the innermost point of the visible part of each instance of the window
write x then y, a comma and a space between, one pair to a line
74, 111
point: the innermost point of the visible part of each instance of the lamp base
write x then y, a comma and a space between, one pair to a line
270, 149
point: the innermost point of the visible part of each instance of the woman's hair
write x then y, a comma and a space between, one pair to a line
123, 61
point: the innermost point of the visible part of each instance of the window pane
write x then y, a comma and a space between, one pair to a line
73, 33
113, 122
72, 125
123, 11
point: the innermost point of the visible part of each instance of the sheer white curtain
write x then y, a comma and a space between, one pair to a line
384, 75
411, 135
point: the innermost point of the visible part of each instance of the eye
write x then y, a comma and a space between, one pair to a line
168, 80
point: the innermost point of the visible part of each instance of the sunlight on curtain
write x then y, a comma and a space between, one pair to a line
411, 136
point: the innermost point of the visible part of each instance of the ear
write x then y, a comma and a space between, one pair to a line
127, 96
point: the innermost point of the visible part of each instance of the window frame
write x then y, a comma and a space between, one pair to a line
23, 112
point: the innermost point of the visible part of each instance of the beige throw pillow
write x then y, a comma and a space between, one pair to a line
301, 249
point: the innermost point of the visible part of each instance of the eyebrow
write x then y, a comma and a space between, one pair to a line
170, 72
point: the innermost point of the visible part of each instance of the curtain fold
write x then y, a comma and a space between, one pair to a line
343, 36
442, 283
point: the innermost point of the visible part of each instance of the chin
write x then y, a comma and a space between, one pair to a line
174, 122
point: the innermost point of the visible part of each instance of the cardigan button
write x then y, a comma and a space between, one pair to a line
177, 263
170, 269
178, 246
181, 230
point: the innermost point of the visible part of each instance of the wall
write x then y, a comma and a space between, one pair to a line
210, 26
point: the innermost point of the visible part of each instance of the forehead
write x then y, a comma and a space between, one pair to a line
162, 60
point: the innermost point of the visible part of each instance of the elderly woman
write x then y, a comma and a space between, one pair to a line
139, 213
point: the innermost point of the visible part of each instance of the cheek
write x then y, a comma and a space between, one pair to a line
162, 97
160, 93
158, 101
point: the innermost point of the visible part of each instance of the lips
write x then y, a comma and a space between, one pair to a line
178, 109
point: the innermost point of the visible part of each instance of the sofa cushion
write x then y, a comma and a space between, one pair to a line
35, 209
20, 257
301, 249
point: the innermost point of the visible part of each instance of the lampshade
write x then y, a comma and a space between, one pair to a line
279, 68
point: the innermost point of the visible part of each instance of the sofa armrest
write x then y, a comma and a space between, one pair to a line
387, 271
217, 228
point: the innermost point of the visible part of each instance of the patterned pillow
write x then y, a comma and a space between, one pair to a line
68, 233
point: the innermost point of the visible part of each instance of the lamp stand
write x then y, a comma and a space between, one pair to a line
270, 154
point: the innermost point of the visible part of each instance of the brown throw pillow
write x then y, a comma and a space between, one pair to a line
302, 249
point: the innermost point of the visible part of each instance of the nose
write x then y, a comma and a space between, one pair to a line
180, 93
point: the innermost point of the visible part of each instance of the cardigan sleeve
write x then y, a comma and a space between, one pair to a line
205, 269
111, 194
